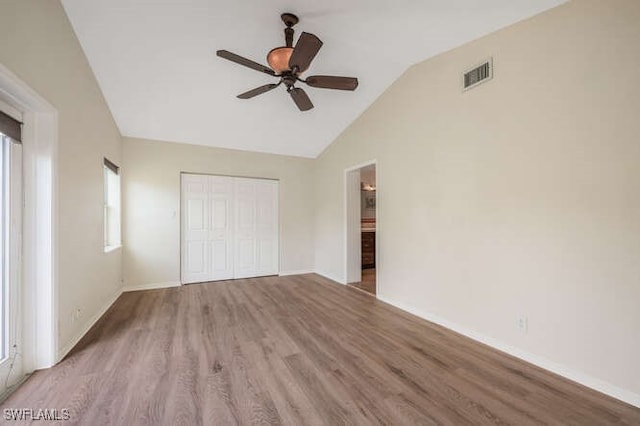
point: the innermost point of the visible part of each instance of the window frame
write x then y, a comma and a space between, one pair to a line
11, 204
4, 251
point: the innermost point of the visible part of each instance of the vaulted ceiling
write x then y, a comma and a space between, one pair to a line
156, 65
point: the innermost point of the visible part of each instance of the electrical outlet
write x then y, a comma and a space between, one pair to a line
523, 324
76, 314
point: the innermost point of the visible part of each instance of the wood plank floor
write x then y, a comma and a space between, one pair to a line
368, 282
296, 350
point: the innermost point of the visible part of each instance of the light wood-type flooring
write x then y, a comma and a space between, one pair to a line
368, 282
297, 350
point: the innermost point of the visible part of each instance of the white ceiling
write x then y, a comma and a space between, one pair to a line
155, 61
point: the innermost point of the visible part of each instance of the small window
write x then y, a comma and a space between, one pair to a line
111, 206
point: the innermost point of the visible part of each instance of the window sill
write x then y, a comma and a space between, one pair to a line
109, 249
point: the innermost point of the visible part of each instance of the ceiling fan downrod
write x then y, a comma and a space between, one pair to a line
289, 20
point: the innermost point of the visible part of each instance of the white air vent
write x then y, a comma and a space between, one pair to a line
478, 75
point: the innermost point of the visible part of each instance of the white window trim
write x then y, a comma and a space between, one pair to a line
109, 249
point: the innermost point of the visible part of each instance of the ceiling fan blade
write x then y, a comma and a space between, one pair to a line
306, 49
332, 82
258, 91
244, 61
301, 99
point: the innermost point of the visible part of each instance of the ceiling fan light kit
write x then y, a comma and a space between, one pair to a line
288, 62
278, 59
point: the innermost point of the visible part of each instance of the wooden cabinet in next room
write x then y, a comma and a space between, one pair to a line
368, 250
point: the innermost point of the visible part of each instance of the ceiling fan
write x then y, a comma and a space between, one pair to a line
288, 63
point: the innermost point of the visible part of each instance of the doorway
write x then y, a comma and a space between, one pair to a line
362, 236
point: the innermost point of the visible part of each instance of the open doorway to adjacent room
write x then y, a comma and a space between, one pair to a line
361, 205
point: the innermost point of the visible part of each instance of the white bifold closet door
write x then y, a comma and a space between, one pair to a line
229, 228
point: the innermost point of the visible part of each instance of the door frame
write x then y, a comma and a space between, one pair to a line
352, 243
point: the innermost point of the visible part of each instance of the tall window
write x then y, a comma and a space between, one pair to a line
111, 206
10, 235
4, 290
10, 242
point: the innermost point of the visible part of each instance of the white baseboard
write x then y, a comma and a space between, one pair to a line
329, 277
302, 272
561, 370
62, 352
152, 286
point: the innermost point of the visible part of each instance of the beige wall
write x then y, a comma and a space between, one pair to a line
151, 197
518, 198
38, 44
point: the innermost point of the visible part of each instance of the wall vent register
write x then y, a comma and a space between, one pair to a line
477, 75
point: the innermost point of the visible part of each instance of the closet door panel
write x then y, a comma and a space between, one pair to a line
221, 200
245, 229
195, 229
267, 228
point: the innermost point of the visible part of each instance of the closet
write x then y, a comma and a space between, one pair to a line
229, 228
